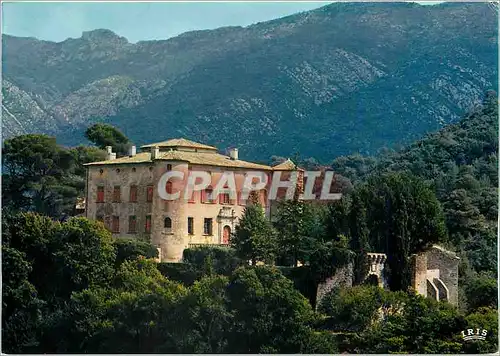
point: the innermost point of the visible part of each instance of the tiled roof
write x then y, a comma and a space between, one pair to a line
287, 165
142, 157
201, 158
180, 142
212, 159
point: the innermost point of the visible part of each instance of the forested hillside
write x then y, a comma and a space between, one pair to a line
347, 77
460, 163
71, 288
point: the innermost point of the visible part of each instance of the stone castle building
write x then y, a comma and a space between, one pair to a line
123, 194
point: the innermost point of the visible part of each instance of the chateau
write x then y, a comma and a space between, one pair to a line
123, 194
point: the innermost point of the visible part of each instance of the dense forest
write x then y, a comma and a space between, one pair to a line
460, 164
69, 287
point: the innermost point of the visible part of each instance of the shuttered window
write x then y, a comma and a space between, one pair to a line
133, 193
224, 198
100, 194
116, 194
190, 226
206, 195
115, 227
149, 193
169, 187
132, 224
148, 224
207, 226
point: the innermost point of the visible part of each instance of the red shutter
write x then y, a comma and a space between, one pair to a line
133, 194
132, 224
150, 194
148, 224
224, 198
169, 187
116, 194
100, 194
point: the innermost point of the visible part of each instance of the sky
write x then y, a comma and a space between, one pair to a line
57, 21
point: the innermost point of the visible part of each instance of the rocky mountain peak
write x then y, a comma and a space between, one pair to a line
103, 35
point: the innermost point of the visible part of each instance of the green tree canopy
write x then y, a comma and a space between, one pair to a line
270, 315
41, 176
131, 249
103, 135
37, 175
254, 238
399, 215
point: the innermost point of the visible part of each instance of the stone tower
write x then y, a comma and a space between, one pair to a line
376, 272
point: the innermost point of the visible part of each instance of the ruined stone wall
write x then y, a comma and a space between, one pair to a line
447, 264
419, 273
342, 278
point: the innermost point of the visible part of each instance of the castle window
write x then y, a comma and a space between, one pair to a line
133, 193
150, 193
132, 223
101, 171
207, 226
107, 222
116, 194
148, 224
169, 167
118, 170
133, 169
241, 201
167, 223
224, 198
190, 226
206, 195
100, 194
115, 227
169, 187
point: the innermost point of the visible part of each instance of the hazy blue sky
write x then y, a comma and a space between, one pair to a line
137, 21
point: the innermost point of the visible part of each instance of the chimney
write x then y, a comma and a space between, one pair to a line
109, 153
155, 152
132, 151
233, 153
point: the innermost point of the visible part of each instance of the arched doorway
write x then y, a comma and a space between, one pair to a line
372, 280
225, 235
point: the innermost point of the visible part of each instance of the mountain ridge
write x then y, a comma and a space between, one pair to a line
325, 82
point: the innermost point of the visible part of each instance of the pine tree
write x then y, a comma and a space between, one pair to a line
255, 238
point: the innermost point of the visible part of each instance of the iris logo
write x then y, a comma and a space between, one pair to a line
474, 334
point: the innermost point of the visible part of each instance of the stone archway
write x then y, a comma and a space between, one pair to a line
372, 280
226, 233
